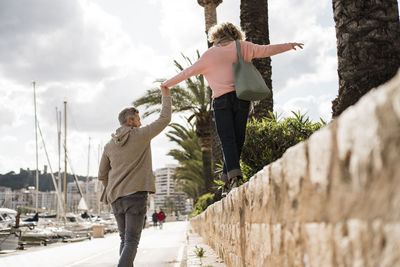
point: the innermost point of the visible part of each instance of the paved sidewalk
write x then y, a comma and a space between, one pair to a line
173, 246
209, 259
158, 248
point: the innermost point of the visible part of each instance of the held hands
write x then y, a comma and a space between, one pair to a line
165, 90
296, 44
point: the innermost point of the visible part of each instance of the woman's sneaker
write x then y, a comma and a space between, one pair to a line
236, 182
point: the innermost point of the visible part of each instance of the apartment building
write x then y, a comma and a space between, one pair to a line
167, 194
91, 192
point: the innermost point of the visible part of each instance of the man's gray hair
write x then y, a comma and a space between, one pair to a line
127, 113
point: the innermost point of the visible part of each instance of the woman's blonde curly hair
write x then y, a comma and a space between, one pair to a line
225, 30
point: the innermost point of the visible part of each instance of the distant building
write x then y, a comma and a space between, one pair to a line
166, 192
91, 193
95, 188
5, 196
27, 198
22, 198
47, 200
73, 196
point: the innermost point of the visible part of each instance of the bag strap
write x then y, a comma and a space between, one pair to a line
239, 52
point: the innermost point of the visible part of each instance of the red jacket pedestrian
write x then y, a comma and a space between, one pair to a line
161, 216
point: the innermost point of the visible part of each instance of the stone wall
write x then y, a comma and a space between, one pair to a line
333, 200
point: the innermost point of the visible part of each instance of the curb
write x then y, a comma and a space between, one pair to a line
190, 259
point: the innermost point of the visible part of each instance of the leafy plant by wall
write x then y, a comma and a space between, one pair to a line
267, 139
201, 204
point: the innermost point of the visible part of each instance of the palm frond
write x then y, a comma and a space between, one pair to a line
189, 155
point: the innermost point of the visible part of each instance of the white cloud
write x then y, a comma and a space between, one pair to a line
181, 23
314, 107
229, 11
48, 43
180, 20
7, 117
324, 72
119, 50
8, 139
325, 109
16, 103
8, 164
298, 21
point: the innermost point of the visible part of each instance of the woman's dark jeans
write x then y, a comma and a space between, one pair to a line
231, 116
129, 211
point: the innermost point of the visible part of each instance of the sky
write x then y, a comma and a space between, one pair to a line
101, 55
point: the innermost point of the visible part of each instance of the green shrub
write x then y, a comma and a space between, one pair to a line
267, 139
202, 203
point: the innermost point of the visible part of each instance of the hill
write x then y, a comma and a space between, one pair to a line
27, 178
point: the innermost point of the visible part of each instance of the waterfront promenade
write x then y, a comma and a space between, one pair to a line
164, 247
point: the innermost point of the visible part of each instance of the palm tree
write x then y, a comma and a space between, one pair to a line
194, 99
368, 47
189, 174
254, 22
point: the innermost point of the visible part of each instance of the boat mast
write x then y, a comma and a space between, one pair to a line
59, 202
58, 116
87, 176
65, 157
36, 140
98, 184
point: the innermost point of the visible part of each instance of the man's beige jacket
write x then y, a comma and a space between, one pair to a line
126, 166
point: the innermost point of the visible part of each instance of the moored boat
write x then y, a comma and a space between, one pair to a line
9, 235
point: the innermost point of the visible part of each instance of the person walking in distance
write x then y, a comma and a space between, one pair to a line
230, 112
126, 173
161, 217
145, 221
154, 218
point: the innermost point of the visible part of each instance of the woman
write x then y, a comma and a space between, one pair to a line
230, 112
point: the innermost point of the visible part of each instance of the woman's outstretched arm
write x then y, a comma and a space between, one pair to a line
260, 51
197, 68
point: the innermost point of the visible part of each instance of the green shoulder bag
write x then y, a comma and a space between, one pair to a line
249, 84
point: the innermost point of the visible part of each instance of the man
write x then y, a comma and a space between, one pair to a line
126, 173
154, 218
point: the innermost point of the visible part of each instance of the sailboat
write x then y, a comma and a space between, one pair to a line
9, 235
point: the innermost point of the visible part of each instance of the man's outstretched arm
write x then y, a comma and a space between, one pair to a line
154, 128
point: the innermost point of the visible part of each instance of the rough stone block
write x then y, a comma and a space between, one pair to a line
295, 169
318, 240
391, 245
319, 148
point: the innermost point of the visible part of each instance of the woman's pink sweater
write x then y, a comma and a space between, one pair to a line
216, 64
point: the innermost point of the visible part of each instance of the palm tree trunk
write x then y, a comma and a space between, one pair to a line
217, 156
203, 131
368, 47
254, 22
206, 156
210, 15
